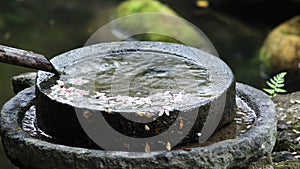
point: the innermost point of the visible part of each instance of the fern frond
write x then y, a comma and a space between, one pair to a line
271, 85
280, 76
276, 83
278, 90
269, 91
280, 85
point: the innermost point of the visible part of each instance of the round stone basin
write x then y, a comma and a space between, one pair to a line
116, 95
28, 152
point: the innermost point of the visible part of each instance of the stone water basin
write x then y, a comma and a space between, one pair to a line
41, 122
133, 96
29, 150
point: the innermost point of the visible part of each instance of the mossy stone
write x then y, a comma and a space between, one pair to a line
139, 6
280, 50
156, 27
286, 151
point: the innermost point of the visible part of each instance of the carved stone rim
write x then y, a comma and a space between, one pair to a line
28, 152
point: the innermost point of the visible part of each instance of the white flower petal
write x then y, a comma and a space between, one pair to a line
161, 112
139, 102
167, 112
166, 93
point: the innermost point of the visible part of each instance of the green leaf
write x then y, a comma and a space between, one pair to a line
278, 90
269, 91
283, 74
276, 83
271, 85
279, 85
280, 81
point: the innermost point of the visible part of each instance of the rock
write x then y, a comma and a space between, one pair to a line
287, 148
53, 122
23, 81
139, 6
20, 146
262, 163
280, 50
156, 27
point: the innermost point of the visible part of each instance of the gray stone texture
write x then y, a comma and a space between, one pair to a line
286, 152
61, 120
32, 153
23, 81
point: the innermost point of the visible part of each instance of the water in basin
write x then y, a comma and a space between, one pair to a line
138, 81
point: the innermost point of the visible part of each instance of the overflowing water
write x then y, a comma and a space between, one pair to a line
243, 121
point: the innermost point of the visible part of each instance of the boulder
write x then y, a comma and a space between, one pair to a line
280, 52
164, 27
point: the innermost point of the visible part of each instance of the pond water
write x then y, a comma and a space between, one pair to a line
51, 27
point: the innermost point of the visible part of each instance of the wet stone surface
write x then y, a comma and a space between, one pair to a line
254, 144
243, 121
141, 89
23, 81
286, 153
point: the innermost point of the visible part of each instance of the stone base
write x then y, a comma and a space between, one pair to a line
23, 81
286, 153
29, 152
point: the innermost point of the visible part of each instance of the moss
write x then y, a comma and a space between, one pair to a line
279, 51
139, 6
287, 164
292, 26
296, 126
155, 37
154, 27
262, 163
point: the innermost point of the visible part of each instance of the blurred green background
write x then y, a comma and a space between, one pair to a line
51, 27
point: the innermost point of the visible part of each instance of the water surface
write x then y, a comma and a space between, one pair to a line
139, 81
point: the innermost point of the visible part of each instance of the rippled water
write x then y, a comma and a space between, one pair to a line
141, 81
